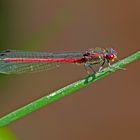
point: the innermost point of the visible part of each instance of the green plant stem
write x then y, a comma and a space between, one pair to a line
39, 103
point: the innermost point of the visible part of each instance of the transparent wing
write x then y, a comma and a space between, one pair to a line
30, 54
9, 67
97, 50
22, 67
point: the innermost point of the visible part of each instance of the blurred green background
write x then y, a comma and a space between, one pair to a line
106, 110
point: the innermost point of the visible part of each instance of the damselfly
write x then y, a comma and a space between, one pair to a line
15, 62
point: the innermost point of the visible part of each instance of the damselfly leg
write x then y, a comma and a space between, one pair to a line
89, 66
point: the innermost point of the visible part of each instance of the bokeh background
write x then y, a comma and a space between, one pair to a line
105, 110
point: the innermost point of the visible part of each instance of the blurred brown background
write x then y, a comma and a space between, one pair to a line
105, 110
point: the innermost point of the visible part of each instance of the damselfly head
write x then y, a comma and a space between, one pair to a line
110, 54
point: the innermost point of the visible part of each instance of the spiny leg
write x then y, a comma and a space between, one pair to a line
89, 66
101, 67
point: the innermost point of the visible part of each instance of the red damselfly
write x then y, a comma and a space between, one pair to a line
15, 62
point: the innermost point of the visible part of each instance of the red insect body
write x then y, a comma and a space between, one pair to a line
23, 61
37, 60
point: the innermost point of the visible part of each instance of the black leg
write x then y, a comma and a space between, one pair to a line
89, 66
100, 68
110, 66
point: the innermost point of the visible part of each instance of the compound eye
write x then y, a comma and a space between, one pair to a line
110, 56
